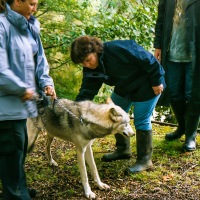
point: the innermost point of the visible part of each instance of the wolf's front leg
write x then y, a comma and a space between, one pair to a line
83, 171
90, 160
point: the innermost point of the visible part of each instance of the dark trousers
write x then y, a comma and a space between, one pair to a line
179, 80
13, 147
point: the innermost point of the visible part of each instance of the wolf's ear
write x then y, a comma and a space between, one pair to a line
109, 100
115, 116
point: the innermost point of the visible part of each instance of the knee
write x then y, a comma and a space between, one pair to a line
143, 125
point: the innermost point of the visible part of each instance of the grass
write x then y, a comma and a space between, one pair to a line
175, 174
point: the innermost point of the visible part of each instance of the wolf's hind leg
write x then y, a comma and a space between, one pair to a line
33, 132
52, 162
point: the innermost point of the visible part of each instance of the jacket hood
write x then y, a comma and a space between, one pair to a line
16, 19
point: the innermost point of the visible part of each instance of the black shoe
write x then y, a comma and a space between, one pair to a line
32, 192
174, 135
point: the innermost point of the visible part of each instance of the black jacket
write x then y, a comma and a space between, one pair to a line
193, 27
163, 28
127, 66
163, 31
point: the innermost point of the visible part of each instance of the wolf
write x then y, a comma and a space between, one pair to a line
80, 123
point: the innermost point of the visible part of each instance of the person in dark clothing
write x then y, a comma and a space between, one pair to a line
173, 51
193, 37
138, 80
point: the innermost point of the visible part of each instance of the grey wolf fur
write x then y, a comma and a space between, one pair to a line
80, 123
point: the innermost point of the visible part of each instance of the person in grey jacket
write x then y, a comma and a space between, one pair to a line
23, 72
138, 80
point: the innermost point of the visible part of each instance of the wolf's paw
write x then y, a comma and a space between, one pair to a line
90, 195
103, 186
53, 163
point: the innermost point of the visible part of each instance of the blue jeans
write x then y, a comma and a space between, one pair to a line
142, 110
179, 80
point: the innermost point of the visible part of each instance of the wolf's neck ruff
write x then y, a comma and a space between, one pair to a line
92, 124
56, 101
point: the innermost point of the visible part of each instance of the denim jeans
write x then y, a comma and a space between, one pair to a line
179, 80
142, 110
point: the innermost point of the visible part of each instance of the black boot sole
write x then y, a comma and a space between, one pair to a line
172, 137
107, 159
185, 149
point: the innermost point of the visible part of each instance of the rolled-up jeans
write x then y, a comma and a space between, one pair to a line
142, 110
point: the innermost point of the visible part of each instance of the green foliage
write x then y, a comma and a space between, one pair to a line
124, 20
63, 21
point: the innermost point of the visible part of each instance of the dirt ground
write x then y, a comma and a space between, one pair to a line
175, 175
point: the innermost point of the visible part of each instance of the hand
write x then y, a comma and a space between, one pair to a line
157, 54
28, 95
49, 91
158, 89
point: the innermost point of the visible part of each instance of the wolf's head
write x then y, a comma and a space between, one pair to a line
121, 121
105, 119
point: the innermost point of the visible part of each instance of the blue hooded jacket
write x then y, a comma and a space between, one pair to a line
19, 69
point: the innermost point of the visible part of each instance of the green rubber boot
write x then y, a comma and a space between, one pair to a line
122, 149
192, 122
179, 109
144, 152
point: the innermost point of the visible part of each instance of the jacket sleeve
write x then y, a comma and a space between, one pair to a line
154, 70
9, 82
159, 24
42, 68
89, 88
151, 67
